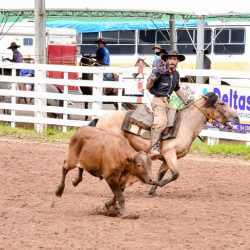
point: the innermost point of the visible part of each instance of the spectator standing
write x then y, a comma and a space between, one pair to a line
157, 50
206, 64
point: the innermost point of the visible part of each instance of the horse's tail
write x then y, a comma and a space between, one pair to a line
93, 122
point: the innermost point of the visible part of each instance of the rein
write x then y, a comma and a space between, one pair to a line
209, 119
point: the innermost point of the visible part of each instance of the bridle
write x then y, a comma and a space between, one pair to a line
209, 118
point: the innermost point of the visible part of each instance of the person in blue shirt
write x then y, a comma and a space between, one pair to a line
103, 58
27, 73
157, 57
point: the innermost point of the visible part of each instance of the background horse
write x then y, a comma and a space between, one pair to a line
192, 120
89, 61
141, 64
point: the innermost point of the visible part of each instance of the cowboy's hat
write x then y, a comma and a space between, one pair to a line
181, 58
28, 58
205, 51
13, 45
101, 40
156, 46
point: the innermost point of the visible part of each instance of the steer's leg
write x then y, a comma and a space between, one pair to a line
162, 171
118, 195
113, 200
65, 170
78, 178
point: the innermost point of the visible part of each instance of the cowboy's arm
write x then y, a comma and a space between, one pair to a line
180, 94
154, 76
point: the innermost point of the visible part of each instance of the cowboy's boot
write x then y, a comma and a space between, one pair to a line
155, 137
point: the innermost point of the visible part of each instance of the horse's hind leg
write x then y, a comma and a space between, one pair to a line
78, 178
65, 170
162, 171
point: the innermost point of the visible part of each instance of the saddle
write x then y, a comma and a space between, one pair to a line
140, 121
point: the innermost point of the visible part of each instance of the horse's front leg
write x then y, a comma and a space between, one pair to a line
162, 171
171, 161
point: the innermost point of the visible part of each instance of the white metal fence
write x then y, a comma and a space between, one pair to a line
129, 91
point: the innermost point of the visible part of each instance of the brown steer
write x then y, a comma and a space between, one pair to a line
107, 156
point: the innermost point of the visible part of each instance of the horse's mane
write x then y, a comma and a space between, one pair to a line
210, 100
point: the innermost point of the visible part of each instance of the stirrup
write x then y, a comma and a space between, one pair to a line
155, 150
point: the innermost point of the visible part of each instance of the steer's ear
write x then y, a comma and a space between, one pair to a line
129, 160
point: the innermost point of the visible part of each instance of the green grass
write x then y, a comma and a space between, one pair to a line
51, 135
224, 149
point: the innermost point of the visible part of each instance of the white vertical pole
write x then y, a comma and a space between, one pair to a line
40, 55
200, 47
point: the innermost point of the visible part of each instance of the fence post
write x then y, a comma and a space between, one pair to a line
13, 98
65, 102
212, 140
40, 102
97, 91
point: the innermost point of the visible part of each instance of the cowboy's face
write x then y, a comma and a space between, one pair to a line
172, 62
157, 50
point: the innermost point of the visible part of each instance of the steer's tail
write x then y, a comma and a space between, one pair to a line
93, 122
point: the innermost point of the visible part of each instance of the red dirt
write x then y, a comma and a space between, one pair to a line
208, 207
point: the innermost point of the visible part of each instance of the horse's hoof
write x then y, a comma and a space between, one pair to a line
59, 192
152, 194
75, 183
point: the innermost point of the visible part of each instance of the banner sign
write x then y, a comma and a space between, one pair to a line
236, 97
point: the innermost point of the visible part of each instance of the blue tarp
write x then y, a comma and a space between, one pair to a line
96, 26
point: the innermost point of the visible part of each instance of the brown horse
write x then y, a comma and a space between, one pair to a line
192, 120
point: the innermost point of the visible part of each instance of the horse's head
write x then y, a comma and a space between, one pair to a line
141, 62
220, 111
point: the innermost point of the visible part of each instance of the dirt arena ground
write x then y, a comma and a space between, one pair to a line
208, 207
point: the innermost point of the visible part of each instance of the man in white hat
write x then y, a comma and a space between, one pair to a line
17, 56
162, 82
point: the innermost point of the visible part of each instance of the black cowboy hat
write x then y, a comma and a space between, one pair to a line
205, 51
13, 45
101, 40
181, 58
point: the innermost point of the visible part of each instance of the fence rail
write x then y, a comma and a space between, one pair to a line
130, 91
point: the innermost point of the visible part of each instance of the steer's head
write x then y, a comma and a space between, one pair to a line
141, 167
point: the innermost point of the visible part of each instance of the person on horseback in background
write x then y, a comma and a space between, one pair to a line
161, 83
17, 56
103, 58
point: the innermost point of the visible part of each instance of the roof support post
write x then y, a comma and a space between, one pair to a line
200, 47
173, 44
40, 57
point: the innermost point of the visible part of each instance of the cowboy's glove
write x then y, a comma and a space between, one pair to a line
152, 77
186, 101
